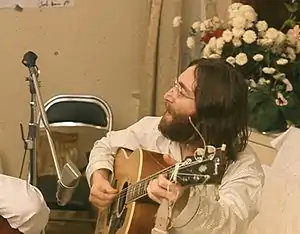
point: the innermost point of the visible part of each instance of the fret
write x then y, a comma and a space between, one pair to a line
138, 190
133, 192
145, 185
128, 194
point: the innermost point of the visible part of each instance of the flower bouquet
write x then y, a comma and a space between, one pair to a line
267, 57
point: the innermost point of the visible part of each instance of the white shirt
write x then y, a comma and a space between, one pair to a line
22, 205
239, 191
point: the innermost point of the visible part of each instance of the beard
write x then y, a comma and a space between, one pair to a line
176, 126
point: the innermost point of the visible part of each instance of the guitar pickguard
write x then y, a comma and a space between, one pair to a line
116, 222
117, 213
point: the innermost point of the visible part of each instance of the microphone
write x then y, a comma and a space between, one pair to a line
29, 60
67, 184
68, 177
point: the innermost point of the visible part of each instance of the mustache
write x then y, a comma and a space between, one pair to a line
170, 109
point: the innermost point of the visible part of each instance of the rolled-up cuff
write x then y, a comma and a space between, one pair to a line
96, 166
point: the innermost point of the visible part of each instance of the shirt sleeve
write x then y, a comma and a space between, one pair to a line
237, 206
104, 150
22, 205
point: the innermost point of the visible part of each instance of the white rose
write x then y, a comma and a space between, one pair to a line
249, 36
258, 57
230, 60
236, 42
206, 52
282, 61
202, 27
249, 25
250, 16
280, 38
220, 44
269, 70
246, 8
212, 43
196, 26
262, 81
262, 25
207, 24
234, 6
239, 22
216, 21
238, 32
227, 35
190, 42
271, 33
265, 42
241, 59
177, 21
291, 53
252, 83
232, 14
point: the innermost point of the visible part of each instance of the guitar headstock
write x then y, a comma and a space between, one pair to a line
206, 168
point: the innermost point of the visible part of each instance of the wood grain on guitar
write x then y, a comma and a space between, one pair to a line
133, 212
5, 228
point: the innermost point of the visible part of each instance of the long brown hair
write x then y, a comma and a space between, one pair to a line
221, 96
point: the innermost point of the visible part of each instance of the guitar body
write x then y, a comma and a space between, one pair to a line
132, 212
138, 216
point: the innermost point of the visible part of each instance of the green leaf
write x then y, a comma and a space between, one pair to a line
291, 7
291, 111
264, 114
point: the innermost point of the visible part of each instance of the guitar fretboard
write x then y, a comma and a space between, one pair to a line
139, 190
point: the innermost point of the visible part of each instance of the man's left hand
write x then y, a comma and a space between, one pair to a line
162, 188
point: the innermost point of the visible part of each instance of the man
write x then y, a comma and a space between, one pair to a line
213, 94
22, 205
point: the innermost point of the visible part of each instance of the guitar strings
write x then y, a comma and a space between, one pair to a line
124, 194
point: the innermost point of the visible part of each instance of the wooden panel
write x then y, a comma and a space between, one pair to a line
265, 154
261, 145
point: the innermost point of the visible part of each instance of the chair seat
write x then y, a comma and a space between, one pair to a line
80, 199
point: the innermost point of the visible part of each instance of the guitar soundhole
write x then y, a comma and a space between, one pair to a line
122, 199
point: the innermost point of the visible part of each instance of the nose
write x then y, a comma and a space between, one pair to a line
170, 95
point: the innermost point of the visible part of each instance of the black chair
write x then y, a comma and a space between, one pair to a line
76, 122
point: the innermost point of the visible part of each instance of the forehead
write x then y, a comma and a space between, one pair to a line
188, 77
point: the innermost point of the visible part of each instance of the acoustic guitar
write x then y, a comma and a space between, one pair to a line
133, 212
5, 228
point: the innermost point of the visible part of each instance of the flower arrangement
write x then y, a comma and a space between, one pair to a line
267, 57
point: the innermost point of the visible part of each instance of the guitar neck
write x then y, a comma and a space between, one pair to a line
204, 171
139, 190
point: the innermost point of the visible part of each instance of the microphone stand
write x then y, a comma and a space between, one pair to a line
30, 142
68, 178
29, 61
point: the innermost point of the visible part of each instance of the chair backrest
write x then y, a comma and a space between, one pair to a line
78, 110
76, 122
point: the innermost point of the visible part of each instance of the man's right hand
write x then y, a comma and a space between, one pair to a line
101, 194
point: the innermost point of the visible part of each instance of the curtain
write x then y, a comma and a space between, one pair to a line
162, 55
